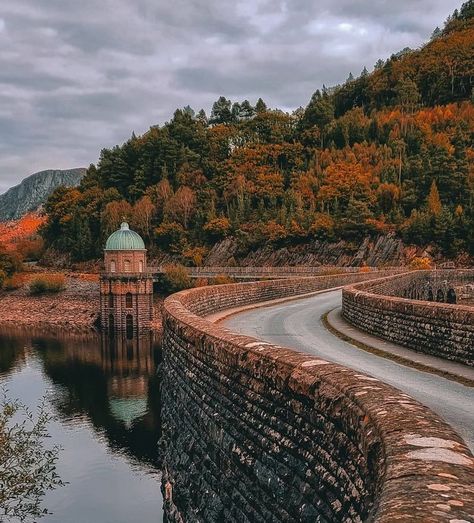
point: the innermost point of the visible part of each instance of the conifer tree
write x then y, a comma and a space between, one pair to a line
434, 202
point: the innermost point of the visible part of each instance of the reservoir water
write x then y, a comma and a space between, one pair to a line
103, 395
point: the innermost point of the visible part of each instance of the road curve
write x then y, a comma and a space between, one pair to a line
298, 324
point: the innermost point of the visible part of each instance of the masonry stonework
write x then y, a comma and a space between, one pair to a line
253, 432
440, 329
126, 286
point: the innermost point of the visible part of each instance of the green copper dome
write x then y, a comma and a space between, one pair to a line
124, 240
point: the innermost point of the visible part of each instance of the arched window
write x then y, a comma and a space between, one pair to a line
112, 266
128, 300
430, 295
126, 266
111, 301
452, 296
129, 326
140, 266
440, 296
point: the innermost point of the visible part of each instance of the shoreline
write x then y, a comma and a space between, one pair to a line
75, 309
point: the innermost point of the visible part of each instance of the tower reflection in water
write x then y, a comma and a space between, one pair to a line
113, 382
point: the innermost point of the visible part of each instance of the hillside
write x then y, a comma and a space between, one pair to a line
15, 234
388, 153
35, 190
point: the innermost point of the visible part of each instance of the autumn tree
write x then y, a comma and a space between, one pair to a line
142, 216
434, 202
182, 205
114, 213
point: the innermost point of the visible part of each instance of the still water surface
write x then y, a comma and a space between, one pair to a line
104, 397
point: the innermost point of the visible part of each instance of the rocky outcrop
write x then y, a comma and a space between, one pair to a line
387, 250
34, 191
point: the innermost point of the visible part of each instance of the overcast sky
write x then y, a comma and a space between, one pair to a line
80, 75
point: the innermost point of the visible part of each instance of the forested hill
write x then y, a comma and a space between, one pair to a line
391, 150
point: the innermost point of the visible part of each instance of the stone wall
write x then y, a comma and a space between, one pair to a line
448, 286
126, 302
254, 432
268, 272
438, 329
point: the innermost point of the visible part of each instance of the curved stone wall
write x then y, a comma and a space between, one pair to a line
439, 329
253, 432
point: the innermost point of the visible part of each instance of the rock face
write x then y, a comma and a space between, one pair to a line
385, 250
34, 191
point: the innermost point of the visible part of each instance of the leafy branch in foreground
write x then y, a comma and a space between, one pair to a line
27, 465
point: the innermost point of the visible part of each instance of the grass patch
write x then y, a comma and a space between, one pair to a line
47, 284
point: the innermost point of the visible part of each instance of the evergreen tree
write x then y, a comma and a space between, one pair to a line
319, 112
221, 111
260, 106
202, 117
246, 110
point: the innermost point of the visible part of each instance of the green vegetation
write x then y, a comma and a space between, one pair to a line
388, 151
9, 264
27, 465
175, 278
48, 283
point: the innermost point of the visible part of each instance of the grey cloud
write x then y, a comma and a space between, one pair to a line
79, 76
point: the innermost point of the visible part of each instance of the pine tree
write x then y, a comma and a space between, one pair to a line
202, 117
260, 106
221, 111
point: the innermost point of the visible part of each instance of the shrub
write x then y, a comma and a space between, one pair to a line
222, 279
176, 278
48, 283
201, 282
217, 228
14, 282
420, 264
9, 261
195, 255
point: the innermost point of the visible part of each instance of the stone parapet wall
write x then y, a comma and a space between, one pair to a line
272, 272
230, 296
254, 432
439, 329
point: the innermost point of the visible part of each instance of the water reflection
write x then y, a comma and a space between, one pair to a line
104, 393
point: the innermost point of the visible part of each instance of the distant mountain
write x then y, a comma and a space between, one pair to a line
34, 191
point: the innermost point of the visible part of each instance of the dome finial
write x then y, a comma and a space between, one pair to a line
124, 225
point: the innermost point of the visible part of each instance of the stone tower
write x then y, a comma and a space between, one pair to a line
126, 287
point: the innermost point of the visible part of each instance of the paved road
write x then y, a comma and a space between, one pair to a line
298, 325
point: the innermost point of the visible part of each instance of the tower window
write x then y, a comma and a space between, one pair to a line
127, 266
111, 301
128, 301
112, 266
140, 266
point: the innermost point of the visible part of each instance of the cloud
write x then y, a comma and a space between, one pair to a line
79, 76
